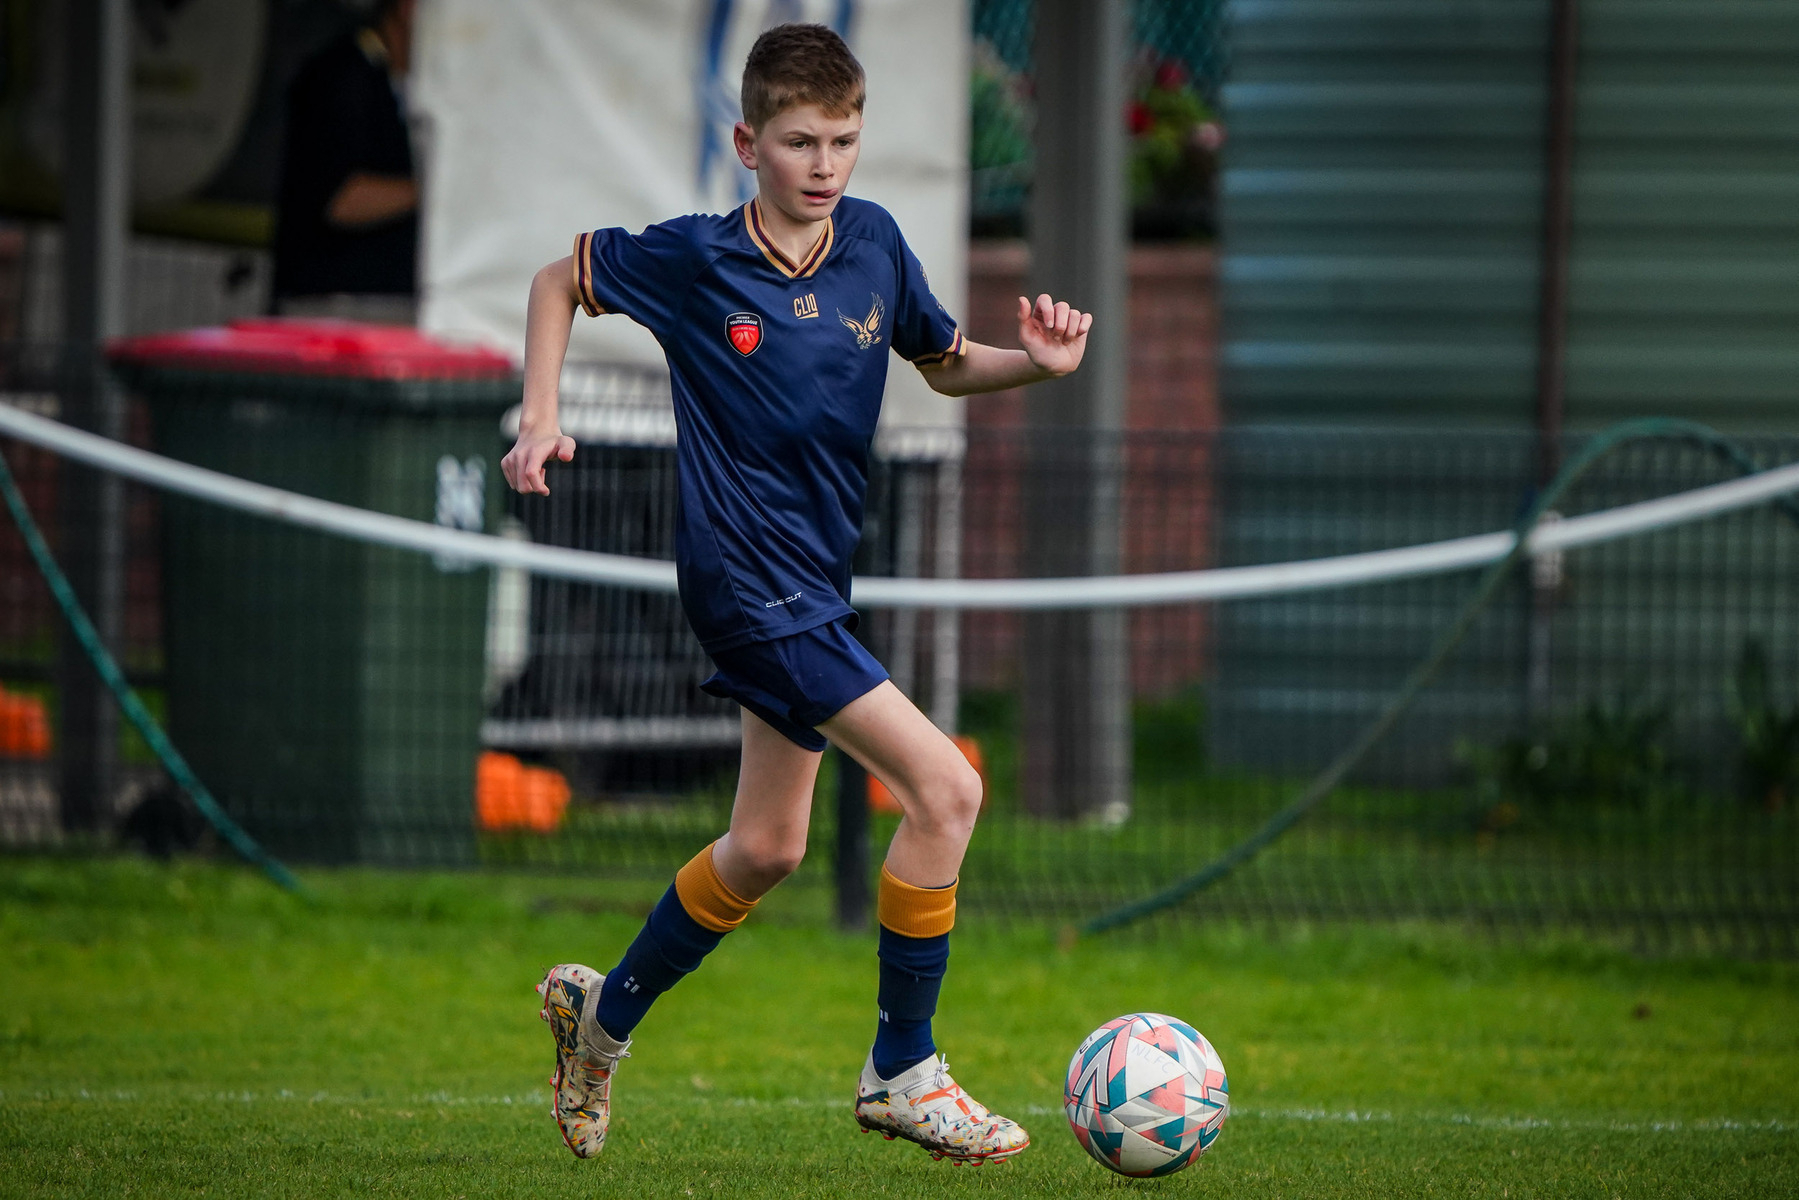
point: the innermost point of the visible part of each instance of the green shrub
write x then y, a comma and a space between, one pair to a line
1768, 762
1169, 739
1611, 756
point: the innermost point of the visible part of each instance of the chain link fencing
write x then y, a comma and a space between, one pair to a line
1614, 748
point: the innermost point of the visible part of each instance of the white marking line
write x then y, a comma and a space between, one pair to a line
280, 1096
1362, 1117
538, 1099
1110, 591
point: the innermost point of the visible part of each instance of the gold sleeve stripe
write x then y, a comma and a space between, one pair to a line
372, 47
584, 275
914, 911
706, 898
576, 258
958, 346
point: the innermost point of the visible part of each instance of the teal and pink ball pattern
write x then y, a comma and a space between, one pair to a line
1146, 1094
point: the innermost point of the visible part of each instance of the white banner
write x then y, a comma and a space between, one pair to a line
544, 118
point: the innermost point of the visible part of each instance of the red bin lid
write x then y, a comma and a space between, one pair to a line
292, 346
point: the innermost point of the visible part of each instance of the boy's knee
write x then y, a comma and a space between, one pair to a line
966, 792
773, 857
949, 799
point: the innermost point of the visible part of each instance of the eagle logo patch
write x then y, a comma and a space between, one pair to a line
868, 329
745, 332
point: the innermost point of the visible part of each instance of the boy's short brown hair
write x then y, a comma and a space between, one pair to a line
801, 64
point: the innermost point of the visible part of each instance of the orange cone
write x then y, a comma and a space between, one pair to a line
24, 726
511, 795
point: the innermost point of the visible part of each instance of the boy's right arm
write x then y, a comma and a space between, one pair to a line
547, 320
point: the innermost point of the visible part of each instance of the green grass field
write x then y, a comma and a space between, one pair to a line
1695, 871
187, 1030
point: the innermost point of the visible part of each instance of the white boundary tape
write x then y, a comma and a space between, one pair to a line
1110, 591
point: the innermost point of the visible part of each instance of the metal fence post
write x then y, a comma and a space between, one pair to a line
1075, 700
96, 201
1552, 331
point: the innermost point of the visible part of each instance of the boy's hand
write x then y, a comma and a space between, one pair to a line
524, 463
1052, 334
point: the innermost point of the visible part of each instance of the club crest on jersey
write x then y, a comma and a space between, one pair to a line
745, 332
868, 329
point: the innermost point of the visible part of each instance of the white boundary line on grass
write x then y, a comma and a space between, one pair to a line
537, 1099
1111, 591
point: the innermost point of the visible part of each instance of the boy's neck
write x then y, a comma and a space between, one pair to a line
791, 237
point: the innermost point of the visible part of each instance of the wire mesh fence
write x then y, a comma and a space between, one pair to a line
1615, 747
171, 283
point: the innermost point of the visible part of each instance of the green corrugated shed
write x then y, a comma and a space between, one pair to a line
1381, 211
1685, 293
1380, 237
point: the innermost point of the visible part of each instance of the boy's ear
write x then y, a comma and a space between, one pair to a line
744, 139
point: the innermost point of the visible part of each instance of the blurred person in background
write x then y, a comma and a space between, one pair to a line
346, 235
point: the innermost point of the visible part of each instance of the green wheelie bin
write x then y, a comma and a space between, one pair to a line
327, 690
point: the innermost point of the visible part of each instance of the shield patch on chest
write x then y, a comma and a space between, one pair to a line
745, 332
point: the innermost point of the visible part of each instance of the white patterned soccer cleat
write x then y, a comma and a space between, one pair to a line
585, 1057
926, 1106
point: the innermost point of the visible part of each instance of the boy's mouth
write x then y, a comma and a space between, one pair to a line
820, 196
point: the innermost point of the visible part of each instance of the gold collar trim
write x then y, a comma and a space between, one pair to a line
752, 222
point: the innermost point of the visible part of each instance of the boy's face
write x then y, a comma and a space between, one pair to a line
802, 159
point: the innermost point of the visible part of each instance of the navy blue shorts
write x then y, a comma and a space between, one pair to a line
797, 683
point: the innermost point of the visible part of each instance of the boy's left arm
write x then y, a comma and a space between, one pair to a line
1053, 337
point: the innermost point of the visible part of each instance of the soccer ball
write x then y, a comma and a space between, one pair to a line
1146, 1094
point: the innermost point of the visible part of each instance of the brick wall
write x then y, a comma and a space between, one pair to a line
1173, 339
1172, 402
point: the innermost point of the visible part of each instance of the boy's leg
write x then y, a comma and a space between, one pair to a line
592, 1016
940, 795
713, 893
906, 1090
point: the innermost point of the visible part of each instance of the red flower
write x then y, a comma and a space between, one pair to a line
1140, 119
1170, 76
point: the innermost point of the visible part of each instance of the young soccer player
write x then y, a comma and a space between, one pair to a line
777, 319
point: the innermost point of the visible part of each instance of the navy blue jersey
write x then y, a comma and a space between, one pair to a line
778, 369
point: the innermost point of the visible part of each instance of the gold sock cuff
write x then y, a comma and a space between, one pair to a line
912, 911
706, 898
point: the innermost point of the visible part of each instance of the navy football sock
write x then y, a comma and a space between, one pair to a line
670, 945
911, 976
